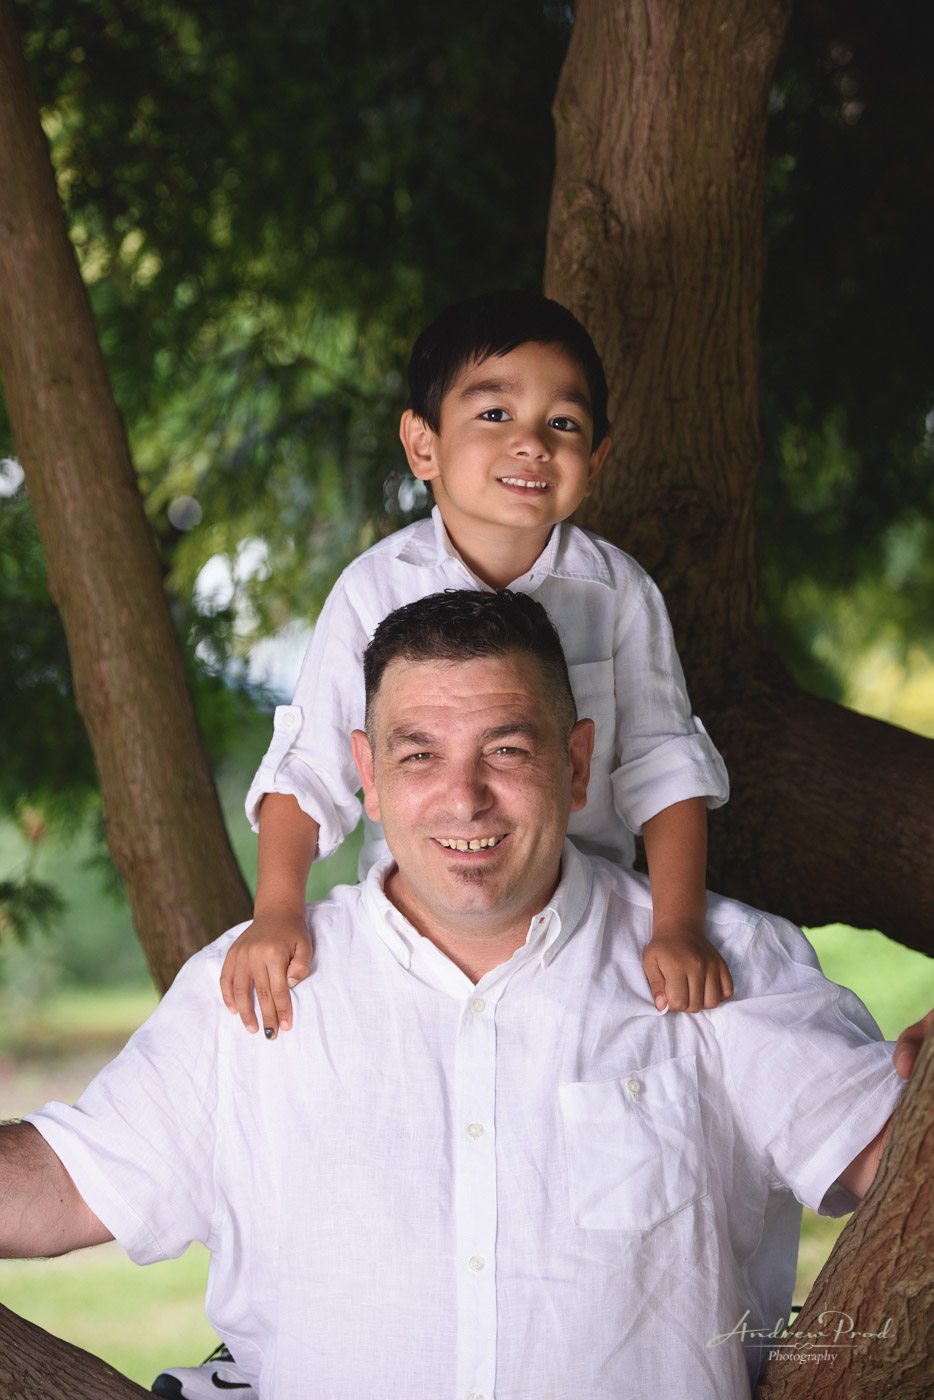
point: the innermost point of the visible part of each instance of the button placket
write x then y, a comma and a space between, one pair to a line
475, 1193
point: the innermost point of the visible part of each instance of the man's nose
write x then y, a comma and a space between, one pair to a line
467, 794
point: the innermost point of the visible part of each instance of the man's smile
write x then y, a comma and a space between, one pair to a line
473, 843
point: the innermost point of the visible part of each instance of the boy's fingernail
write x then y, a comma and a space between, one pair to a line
291, 982
660, 1002
268, 1032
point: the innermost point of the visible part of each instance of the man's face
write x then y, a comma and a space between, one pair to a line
473, 782
515, 448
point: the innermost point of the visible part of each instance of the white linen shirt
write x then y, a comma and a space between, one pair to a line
650, 750
532, 1188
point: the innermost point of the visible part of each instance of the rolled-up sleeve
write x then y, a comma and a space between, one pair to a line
665, 754
812, 1077
310, 755
139, 1143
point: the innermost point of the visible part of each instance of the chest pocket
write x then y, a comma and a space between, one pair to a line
594, 693
635, 1147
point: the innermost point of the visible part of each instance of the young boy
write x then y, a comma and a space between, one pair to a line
508, 424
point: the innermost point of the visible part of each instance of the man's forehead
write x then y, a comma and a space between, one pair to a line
489, 690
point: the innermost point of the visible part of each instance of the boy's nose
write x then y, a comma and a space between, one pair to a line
532, 444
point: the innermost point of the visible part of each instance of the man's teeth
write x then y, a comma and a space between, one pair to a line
477, 844
520, 481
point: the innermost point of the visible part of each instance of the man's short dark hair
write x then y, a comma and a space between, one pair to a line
462, 625
493, 325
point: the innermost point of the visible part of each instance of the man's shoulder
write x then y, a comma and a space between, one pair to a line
731, 925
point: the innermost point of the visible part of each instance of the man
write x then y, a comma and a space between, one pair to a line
482, 1163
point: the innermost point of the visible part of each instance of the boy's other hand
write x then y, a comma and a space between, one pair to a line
685, 972
270, 957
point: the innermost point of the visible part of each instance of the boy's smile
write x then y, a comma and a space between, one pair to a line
513, 457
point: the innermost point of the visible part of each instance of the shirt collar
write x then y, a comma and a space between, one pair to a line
550, 929
570, 552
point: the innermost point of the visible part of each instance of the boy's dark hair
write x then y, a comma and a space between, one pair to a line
463, 624
494, 324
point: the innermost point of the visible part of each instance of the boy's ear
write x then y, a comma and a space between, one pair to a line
419, 443
597, 458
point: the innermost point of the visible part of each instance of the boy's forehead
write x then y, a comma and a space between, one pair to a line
543, 367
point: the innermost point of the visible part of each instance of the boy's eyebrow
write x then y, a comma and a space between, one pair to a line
484, 388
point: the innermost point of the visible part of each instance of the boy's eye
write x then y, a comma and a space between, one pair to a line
495, 415
565, 424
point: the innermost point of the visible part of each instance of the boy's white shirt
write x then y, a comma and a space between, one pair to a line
650, 750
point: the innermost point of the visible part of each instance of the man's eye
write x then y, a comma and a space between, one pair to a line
417, 757
565, 424
495, 415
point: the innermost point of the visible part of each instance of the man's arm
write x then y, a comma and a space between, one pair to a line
41, 1212
861, 1172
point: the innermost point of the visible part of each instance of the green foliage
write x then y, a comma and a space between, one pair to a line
847, 494
26, 904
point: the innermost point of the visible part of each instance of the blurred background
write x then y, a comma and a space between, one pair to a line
267, 202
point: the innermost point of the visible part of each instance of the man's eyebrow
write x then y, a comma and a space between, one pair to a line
520, 728
402, 738
491, 388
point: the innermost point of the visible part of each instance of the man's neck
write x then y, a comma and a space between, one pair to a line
475, 946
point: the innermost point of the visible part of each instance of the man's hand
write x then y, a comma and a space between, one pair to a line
270, 957
909, 1044
684, 971
859, 1175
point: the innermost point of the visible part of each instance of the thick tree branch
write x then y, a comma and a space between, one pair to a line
877, 1287
34, 1365
164, 824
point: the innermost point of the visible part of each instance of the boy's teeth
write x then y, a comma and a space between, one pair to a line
529, 485
477, 844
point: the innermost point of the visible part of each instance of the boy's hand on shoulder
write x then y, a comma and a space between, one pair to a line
684, 971
270, 957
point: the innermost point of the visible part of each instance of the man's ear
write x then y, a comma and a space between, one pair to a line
597, 458
580, 749
363, 758
419, 443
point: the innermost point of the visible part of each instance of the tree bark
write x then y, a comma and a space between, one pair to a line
163, 819
873, 1296
34, 1365
655, 241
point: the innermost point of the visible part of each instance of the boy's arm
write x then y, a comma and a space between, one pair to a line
275, 951
684, 971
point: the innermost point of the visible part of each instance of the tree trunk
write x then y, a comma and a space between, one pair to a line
163, 819
655, 241
34, 1365
871, 1304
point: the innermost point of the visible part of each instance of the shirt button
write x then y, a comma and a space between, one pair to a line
476, 1263
477, 1005
475, 1129
289, 720
475, 1395
634, 1087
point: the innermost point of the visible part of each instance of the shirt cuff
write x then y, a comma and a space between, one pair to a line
819, 1186
686, 765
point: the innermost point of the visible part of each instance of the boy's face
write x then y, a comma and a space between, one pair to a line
514, 448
